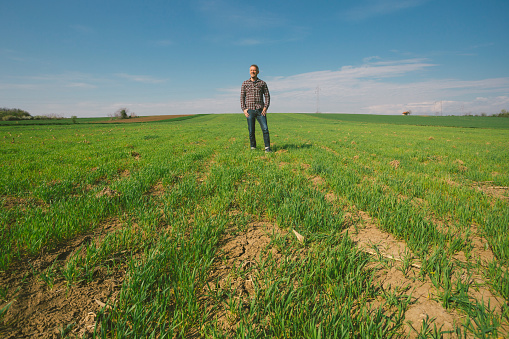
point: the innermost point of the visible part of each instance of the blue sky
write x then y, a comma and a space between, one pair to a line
89, 58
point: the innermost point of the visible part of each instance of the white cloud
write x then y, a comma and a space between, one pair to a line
445, 107
368, 59
377, 86
368, 88
81, 85
344, 77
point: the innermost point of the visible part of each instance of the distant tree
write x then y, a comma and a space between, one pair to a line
51, 116
14, 114
123, 113
503, 114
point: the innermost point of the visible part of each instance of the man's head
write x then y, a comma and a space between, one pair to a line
254, 70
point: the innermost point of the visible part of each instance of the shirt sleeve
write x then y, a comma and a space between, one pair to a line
267, 96
243, 97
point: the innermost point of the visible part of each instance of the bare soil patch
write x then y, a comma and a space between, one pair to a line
10, 202
480, 250
147, 119
236, 265
378, 243
43, 311
423, 304
330, 150
500, 192
382, 245
107, 192
157, 190
488, 188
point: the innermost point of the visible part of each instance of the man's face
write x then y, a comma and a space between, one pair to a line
253, 71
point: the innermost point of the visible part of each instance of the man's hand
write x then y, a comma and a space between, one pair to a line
246, 113
264, 111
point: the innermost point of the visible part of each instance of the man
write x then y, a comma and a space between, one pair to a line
252, 94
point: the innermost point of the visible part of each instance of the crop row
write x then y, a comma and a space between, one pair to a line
180, 188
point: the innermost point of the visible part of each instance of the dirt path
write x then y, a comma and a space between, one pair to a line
147, 119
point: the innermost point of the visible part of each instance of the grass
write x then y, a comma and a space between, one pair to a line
421, 120
431, 187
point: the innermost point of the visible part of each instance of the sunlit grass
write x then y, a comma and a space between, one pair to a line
427, 186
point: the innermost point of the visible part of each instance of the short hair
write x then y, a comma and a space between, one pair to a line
255, 65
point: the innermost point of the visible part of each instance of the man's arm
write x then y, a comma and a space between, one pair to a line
266, 94
243, 105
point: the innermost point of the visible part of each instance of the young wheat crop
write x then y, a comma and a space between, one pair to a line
188, 196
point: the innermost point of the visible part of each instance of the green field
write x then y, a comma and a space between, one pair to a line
420, 120
405, 226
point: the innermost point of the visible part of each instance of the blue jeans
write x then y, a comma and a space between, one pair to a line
262, 120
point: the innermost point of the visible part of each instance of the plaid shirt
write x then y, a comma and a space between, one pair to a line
251, 95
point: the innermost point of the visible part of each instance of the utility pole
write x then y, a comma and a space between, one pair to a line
435, 108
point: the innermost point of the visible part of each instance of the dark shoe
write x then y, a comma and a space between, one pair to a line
268, 150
